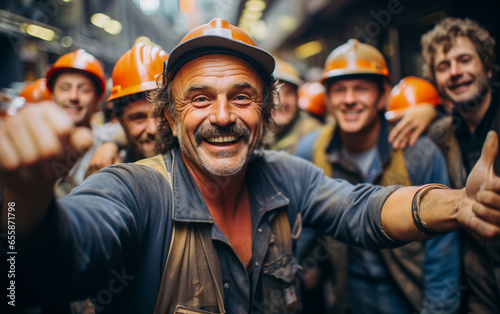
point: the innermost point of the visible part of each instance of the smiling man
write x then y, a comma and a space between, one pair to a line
207, 226
459, 59
134, 74
77, 83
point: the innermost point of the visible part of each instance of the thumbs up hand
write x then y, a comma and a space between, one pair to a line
480, 214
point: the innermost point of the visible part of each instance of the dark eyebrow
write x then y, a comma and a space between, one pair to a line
245, 85
195, 88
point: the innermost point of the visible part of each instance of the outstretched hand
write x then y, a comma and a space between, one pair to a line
480, 213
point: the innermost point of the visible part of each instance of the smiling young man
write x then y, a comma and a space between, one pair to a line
421, 276
459, 59
208, 225
77, 83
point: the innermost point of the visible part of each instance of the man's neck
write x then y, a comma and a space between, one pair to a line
228, 201
361, 142
221, 193
474, 118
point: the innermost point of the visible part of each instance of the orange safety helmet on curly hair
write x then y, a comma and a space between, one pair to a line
218, 36
354, 58
412, 91
78, 61
36, 91
312, 98
137, 70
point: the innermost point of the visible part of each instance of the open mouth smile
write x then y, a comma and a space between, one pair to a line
223, 140
460, 87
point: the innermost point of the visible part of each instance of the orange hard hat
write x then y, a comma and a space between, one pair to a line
412, 91
78, 61
137, 70
286, 72
36, 91
354, 58
218, 36
312, 98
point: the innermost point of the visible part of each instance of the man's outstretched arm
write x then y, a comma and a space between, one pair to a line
475, 208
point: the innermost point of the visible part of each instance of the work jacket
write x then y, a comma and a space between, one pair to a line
109, 239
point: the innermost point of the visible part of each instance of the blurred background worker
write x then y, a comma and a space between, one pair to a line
135, 73
417, 277
77, 83
37, 91
290, 122
312, 99
411, 91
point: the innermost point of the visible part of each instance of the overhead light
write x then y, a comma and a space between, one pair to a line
149, 5
258, 30
308, 49
287, 22
114, 27
66, 41
38, 31
66, 1
252, 15
255, 5
100, 20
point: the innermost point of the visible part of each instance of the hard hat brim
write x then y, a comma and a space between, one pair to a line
210, 44
340, 74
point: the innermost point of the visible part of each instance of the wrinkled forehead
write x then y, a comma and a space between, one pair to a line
207, 68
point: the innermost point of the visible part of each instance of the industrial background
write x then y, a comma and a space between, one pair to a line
34, 33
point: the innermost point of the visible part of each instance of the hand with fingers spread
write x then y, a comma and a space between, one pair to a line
34, 146
480, 214
412, 123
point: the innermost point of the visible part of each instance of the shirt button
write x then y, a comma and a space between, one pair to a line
260, 229
257, 263
226, 285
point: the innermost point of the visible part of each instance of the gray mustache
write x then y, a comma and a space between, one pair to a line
213, 130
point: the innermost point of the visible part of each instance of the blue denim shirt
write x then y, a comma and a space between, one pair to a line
109, 238
441, 266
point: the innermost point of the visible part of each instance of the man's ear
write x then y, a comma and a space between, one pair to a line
384, 97
171, 123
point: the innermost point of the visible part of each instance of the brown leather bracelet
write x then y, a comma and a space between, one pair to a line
415, 207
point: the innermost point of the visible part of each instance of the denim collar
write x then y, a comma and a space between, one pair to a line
189, 205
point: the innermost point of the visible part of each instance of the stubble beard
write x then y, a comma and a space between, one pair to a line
204, 165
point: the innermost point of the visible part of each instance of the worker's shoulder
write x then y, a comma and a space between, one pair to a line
281, 163
130, 174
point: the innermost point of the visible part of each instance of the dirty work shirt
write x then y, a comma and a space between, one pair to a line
109, 238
